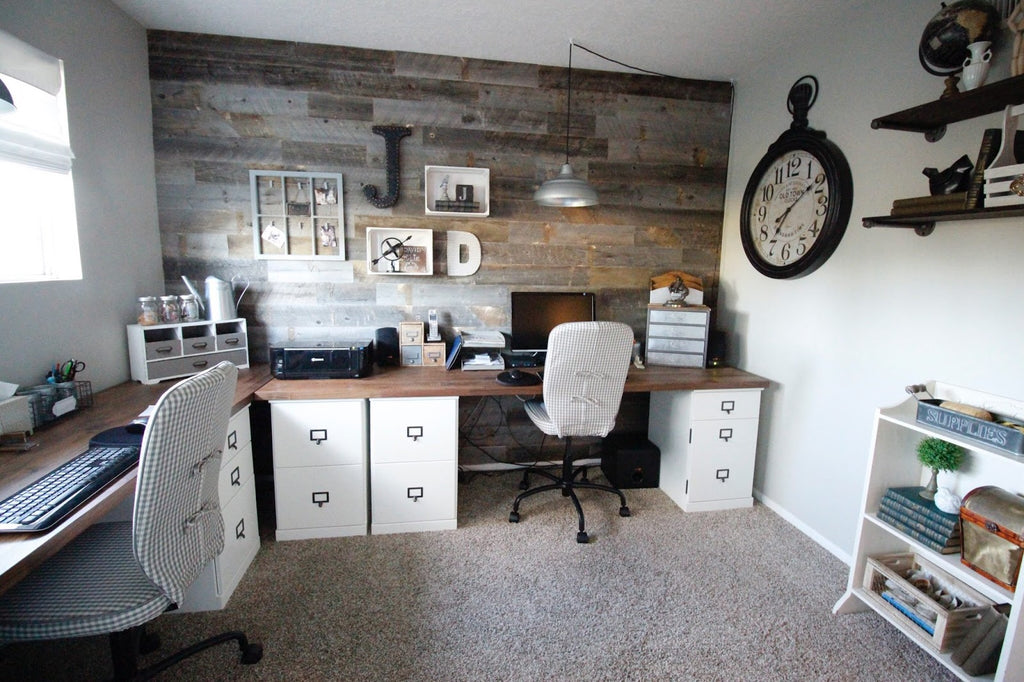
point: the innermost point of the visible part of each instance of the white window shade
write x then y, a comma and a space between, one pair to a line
36, 132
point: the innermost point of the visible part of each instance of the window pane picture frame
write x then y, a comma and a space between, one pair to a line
297, 215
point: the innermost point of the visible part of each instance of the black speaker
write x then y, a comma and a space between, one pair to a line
630, 461
385, 347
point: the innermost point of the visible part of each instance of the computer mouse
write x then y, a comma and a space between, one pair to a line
515, 374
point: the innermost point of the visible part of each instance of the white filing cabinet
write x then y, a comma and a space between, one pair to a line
414, 446
237, 489
319, 468
708, 441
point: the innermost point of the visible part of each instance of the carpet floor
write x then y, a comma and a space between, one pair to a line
662, 595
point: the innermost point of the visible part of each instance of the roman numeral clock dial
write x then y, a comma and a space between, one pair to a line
797, 202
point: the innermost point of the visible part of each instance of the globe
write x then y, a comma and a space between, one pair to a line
945, 39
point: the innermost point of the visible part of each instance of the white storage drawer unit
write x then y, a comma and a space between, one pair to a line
237, 488
320, 459
181, 349
414, 446
677, 336
708, 441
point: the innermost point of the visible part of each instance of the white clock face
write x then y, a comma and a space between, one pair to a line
789, 208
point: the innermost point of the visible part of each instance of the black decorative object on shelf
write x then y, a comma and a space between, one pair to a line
392, 136
952, 179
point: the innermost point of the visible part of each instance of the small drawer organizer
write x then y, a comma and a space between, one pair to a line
168, 351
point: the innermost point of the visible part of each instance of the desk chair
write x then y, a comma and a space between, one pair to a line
584, 375
117, 576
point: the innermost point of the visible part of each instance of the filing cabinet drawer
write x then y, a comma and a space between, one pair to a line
733, 404
414, 429
318, 432
677, 316
405, 493
676, 359
239, 432
241, 537
320, 497
235, 472
722, 473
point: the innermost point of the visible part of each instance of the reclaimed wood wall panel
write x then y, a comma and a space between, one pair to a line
656, 149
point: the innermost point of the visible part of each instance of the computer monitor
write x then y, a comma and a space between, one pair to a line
536, 313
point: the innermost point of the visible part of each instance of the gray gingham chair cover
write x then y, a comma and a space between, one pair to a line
121, 574
584, 375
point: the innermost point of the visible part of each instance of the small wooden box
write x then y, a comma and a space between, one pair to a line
992, 534
433, 354
887, 575
410, 333
412, 355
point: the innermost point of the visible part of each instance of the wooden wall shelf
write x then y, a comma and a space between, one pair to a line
931, 118
924, 223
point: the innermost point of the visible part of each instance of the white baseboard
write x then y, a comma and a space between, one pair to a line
837, 552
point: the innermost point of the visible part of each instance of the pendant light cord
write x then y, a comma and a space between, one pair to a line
568, 104
613, 61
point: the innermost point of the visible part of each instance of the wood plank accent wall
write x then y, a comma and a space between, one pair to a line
656, 150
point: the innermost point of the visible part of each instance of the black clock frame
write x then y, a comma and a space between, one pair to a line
837, 216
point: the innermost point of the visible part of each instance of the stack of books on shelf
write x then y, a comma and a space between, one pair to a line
905, 510
457, 206
939, 203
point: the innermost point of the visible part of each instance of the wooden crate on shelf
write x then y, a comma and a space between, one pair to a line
886, 575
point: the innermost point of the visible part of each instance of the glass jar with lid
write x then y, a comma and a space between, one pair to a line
169, 310
148, 311
189, 308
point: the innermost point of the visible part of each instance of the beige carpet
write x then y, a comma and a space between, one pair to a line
663, 595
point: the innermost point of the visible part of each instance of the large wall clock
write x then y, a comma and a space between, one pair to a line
797, 202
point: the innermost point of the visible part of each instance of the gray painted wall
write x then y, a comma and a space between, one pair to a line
104, 55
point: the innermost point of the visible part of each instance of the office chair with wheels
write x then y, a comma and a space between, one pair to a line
584, 375
116, 577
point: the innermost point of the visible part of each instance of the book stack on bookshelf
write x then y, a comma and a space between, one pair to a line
904, 509
939, 203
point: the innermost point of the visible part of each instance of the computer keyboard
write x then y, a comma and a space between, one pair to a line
44, 503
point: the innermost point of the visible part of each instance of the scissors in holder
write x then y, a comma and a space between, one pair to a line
69, 369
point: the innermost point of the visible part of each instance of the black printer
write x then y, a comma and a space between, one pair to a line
322, 360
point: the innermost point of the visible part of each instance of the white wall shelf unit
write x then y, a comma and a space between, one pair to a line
457, 191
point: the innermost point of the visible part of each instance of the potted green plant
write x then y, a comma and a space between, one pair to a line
938, 455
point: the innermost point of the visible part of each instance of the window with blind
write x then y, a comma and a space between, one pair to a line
38, 224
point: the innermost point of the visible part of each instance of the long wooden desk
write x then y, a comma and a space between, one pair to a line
20, 553
417, 382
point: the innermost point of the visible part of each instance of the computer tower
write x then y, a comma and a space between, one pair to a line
630, 461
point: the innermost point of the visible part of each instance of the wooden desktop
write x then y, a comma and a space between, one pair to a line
20, 553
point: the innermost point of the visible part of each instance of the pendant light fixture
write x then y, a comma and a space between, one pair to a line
566, 190
6, 101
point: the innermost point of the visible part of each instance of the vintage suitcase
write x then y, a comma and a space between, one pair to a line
992, 532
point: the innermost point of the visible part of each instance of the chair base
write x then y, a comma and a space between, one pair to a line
126, 645
568, 484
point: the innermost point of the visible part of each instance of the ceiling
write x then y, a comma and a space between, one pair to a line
707, 39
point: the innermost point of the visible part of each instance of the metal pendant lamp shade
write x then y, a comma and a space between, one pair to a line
565, 190
6, 101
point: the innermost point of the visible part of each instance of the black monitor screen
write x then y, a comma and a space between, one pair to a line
536, 313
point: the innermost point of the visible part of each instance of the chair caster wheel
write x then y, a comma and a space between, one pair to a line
252, 653
624, 511
523, 485
582, 537
513, 517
